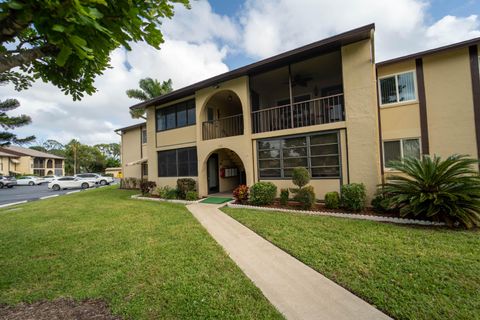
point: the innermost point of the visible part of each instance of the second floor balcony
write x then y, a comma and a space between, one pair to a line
223, 127
300, 114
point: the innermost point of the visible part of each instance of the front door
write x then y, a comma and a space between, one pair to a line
212, 173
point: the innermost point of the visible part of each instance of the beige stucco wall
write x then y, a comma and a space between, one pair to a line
4, 162
449, 103
449, 97
359, 83
241, 145
25, 166
131, 150
399, 120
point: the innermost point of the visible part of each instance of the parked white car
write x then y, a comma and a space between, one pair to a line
50, 178
70, 183
29, 181
99, 179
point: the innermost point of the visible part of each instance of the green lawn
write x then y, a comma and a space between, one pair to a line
408, 272
147, 260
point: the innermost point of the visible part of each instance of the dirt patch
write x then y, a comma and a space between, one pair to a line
60, 309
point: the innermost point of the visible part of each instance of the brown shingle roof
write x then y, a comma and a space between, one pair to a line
30, 152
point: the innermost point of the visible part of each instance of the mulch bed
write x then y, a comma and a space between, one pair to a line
60, 309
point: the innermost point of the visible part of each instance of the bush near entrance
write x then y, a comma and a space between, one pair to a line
263, 193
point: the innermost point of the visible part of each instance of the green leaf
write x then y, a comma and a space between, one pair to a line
15, 5
63, 56
59, 28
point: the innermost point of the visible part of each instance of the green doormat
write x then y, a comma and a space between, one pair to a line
216, 200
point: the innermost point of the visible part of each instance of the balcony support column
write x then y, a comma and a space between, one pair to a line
291, 94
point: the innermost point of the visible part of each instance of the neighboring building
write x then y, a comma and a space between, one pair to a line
28, 161
320, 106
133, 151
116, 172
8, 163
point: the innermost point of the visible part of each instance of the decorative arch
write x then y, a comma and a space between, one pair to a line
222, 115
230, 170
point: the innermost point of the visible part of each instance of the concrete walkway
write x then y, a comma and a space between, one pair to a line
296, 290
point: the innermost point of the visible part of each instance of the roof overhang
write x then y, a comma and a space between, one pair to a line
137, 162
431, 51
315, 48
138, 125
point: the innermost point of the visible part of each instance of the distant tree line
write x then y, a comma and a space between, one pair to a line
82, 157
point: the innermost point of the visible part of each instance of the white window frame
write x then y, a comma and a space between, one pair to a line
401, 149
415, 87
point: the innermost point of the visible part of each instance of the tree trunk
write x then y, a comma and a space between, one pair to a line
23, 58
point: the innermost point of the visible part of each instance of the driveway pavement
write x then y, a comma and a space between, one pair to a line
298, 291
28, 193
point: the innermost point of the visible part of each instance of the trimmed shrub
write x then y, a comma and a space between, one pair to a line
263, 193
184, 185
332, 200
191, 195
381, 202
353, 196
300, 177
446, 190
306, 197
167, 192
240, 193
284, 195
146, 187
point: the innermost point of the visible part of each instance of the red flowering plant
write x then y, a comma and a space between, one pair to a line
241, 193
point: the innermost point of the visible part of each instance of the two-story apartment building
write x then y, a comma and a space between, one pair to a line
325, 106
20, 160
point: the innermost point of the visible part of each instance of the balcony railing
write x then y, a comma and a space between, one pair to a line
223, 127
301, 114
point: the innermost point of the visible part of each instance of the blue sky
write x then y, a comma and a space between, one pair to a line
216, 36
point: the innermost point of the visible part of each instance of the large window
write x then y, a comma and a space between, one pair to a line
395, 150
397, 88
319, 153
178, 163
176, 116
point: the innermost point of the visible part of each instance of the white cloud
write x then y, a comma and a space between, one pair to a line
402, 26
449, 27
200, 24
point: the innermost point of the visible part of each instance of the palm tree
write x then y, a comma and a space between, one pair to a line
149, 89
446, 190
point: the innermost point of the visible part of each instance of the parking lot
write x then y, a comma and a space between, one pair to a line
28, 193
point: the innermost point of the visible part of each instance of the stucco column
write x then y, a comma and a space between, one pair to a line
359, 83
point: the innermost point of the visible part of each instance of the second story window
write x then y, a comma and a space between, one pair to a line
144, 135
176, 116
397, 88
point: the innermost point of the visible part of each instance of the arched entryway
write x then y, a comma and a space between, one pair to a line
224, 171
49, 172
222, 116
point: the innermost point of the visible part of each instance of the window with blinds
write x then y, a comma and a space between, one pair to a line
318, 152
397, 88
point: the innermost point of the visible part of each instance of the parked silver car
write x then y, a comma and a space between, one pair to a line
7, 181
